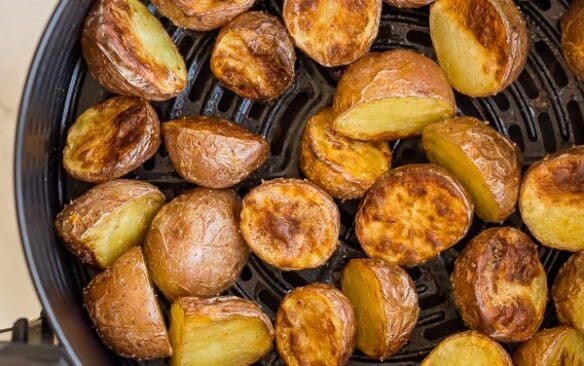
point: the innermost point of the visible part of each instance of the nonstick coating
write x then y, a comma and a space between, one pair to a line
541, 112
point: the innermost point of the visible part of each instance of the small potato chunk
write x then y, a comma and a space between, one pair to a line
223, 331
559, 346
124, 310
391, 95
551, 200
128, 51
573, 38
386, 305
482, 45
105, 221
487, 164
412, 214
315, 325
344, 168
254, 57
408, 3
194, 247
568, 292
500, 286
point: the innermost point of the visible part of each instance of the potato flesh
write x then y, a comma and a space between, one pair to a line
567, 351
464, 351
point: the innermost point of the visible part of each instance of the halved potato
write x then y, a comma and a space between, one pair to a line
386, 305
573, 38
391, 95
408, 3
551, 200
559, 346
223, 331
344, 168
412, 214
482, 45
124, 310
487, 164
568, 292
128, 51
105, 221
315, 325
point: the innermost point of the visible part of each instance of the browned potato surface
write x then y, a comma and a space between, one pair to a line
194, 247
315, 325
254, 57
412, 214
568, 292
572, 24
290, 224
560, 346
500, 286
408, 3
105, 221
124, 310
128, 51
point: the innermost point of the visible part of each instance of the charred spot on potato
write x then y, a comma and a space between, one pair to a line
568, 292
572, 24
555, 346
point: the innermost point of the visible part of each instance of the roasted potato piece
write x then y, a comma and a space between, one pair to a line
391, 95
500, 286
254, 57
194, 247
213, 152
315, 325
487, 164
482, 45
124, 310
223, 331
105, 221
412, 214
551, 200
128, 51
408, 3
561, 346
385, 302
572, 24
568, 292
290, 224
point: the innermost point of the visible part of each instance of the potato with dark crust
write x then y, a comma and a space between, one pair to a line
572, 24
194, 247
500, 286
290, 224
408, 3
487, 164
124, 310
254, 57
559, 346
568, 292
223, 331
105, 221
386, 305
413, 213
315, 325
213, 152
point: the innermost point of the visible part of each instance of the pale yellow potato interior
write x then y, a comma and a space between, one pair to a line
568, 351
465, 350
234, 53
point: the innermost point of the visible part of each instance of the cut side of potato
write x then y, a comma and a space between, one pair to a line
568, 292
572, 24
563, 346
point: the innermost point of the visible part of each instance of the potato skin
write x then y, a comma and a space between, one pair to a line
408, 3
568, 292
572, 24
541, 349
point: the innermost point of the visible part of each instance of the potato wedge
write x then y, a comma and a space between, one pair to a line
391, 95
500, 286
551, 200
290, 224
572, 24
487, 164
562, 346
482, 45
412, 214
386, 305
128, 51
568, 292
124, 310
105, 221
315, 325
194, 247
408, 3
223, 331
213, 152
254, 57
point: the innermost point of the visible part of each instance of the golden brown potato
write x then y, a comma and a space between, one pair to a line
124, 310
412, 214
344, 168
315, 325
194, 247
386, 305
500, 286
391, 95
408, 3
290, 224
559, 346
573, 38
254, 57
223, 331
213, 152
482, 45
128, 51
568, 292
105, 221
487, 164
333, 33
551, 200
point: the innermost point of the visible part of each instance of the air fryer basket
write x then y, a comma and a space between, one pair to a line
542, 112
